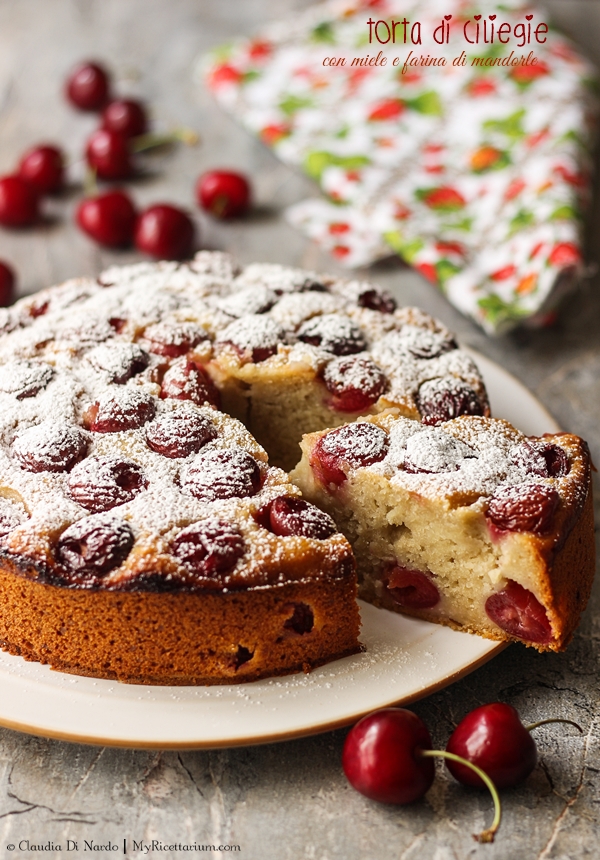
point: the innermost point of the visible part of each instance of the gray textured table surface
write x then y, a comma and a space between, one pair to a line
288, 800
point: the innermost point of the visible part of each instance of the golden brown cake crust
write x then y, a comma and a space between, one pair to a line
182, 638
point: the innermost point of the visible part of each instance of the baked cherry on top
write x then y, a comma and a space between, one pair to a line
223, 193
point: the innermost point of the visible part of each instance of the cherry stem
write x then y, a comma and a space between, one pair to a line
485, 835
152, 140
554, 720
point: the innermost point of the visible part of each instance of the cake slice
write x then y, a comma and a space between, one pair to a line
469, 523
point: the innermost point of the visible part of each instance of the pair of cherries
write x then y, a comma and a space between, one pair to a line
388, 755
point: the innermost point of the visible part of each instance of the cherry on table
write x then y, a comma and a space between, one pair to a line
382, 760
223, 193
494, 738
19, 205
7, 284
43, 167
107, 152
165, 232
127, 117
88, 86
108, 218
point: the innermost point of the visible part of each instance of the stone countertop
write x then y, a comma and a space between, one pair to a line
290, 800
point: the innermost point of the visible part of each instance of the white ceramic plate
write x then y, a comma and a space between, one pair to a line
405, 660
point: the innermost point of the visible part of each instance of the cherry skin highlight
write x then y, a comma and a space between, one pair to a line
18, 202
125, 116
494, 738
108, 218
88, 86
165, 232
107, 152
7, 284
43, 167
223, 193
381, 756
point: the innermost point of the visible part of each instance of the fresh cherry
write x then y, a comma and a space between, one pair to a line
223, 193
127, 117
19, 205
387, 757
43, 168
349, 447
382, 756
107, 152
494, 738
108, 218
165, 232
7, 284
88, 86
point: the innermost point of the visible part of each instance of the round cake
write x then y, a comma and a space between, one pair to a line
143, 534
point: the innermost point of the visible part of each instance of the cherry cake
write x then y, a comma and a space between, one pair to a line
468, 523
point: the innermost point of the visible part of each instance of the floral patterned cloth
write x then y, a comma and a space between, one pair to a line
476, 175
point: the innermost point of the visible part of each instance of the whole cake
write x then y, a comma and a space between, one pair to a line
470, 523
143, 534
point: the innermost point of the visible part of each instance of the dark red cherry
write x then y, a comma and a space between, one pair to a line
180, 433
18, 202
88, 86
210, 547
43, 168
50, 447
289, 515
412, 589
349, 447
355, 384
7, 285
441, 399
24, 377
334, 332
165, 232
101, 483
557, 461
173, 339
186, 380
519, 613
122, 409
223, 193
222, 474
254, 337
125, 116
93, 546
382, 760
524, 508
108, 218
377, 300
119, 361
494, 738
107, 152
